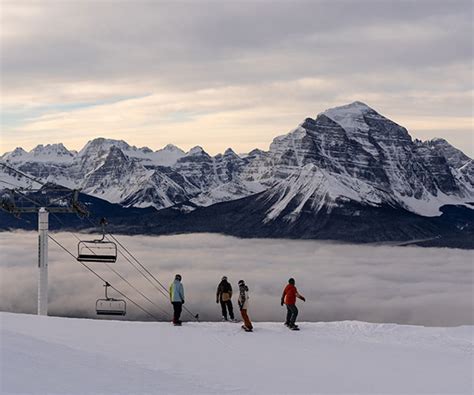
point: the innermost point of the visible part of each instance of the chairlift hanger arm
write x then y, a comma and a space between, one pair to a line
74, 205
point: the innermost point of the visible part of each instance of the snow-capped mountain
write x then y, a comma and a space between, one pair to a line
50, 153
366, 158
346, 154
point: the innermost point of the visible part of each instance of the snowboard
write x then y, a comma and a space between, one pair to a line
294, 328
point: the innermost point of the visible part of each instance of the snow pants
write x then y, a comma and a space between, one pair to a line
291, 314
246, 318
177, 309
227, 305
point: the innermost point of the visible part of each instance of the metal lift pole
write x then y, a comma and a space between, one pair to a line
8, 204
43, 261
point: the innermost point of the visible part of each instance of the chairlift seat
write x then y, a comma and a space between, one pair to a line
111, 307
97, 251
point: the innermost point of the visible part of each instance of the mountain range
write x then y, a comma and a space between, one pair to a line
348, 174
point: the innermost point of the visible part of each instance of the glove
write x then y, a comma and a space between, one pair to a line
303, 299
217, 300
282, 302
183, 302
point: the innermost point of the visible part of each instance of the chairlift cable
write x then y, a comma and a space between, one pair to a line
103, 280
117, 273
165, 294
195, 316
135, 267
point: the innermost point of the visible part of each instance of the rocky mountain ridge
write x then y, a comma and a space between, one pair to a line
346, 154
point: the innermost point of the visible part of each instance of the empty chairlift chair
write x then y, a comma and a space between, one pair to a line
110, 306
99, 251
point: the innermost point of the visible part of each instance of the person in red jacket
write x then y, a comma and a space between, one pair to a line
290, 293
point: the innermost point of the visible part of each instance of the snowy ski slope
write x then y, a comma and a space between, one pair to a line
78, 356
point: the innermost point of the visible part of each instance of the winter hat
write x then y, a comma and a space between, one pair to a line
178, 277
241, 282
291, 281
224, 278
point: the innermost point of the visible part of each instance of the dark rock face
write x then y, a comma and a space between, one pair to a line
454, 157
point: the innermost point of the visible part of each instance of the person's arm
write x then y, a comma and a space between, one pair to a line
241, 300
283, 297
182, 292
171, 293
230, 291
300, 297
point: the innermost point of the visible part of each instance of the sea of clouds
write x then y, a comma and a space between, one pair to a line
405, 285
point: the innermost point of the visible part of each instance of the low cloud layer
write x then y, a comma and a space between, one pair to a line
406, 285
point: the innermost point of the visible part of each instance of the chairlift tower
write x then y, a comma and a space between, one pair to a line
43, 227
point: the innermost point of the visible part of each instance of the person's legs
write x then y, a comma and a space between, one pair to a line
177, 308
175, 312
231, 309
288, 314
246, 319
294, 314
224, 310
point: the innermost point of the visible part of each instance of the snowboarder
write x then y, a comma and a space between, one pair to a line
224, 295
290, 293
177, 298
244, 304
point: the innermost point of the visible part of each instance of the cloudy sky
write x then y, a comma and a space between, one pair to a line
405, 285
222, 74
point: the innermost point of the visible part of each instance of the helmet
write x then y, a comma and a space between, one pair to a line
224, 278
241, 282
178, 277
291, 281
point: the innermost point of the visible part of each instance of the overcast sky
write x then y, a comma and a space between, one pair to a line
405, 285
220, 74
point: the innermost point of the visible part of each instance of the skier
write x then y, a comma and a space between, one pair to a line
177, 298
290, 293
224, 295
244, 304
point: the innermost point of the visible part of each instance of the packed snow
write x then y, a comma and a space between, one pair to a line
77, 356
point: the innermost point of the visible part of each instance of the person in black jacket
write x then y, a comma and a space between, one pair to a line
224, 296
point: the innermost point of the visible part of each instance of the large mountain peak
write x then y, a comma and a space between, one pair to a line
351, 117
102, 145
354, 107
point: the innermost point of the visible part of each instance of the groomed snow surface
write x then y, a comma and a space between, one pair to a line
80, 356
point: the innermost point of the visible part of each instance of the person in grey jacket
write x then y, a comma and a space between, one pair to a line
177, 298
